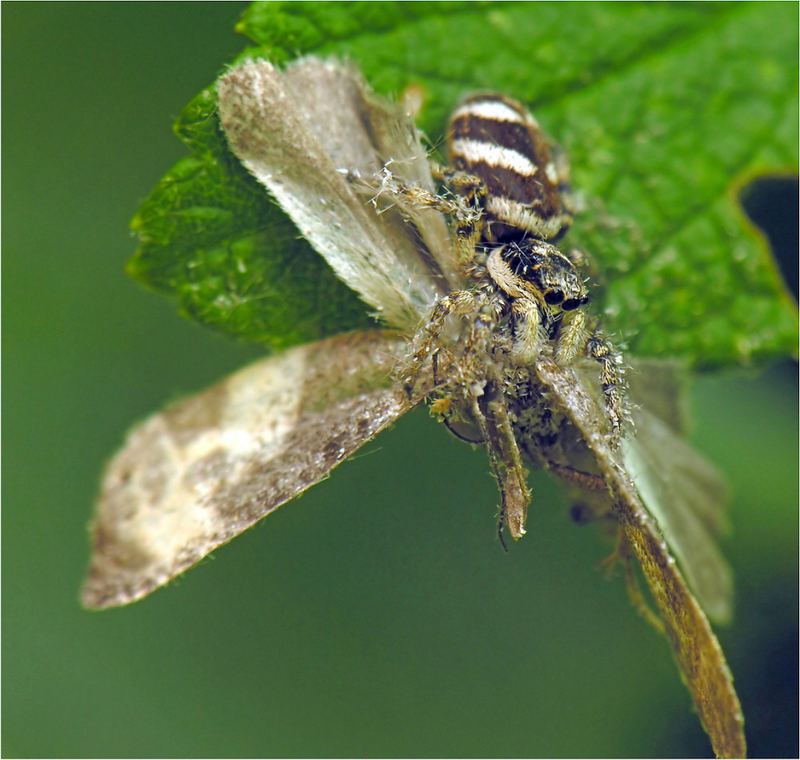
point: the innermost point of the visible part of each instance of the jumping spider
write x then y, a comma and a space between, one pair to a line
524, 299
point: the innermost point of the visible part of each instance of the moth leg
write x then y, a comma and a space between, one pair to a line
586, 480
465, 211
424, 199
622, 554
497, 470
491, 414
384, 185
465, 184
448, 423
465, 208
603, 353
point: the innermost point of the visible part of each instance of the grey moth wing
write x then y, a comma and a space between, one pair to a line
337, 104
299, 131
678, 487
676, 483
659, 387
196, 475
694, 645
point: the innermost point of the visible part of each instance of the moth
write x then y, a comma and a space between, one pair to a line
483, 316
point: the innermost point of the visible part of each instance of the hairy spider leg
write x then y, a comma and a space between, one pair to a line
603, 353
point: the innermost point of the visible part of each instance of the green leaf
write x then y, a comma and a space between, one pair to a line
211, 236
664, 110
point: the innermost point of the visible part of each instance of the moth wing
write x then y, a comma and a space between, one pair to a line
677, 486
658, 387
194, 476
694, 645
294, 131
370, 133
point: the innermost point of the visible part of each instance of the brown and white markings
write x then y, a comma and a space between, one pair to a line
497, 139
489, 322
207, 468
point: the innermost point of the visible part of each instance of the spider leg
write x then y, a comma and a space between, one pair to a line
568, 199
579, 258
571, 339
426, 340
468, 217
571, 336
494, 420
603, 353
527, 331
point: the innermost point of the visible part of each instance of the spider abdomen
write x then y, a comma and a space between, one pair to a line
497, 140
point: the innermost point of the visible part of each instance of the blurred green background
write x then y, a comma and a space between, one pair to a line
376, 616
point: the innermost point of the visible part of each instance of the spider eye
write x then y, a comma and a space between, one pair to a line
553, 297
573, 303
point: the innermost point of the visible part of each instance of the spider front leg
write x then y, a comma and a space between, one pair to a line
571, 336
527, 331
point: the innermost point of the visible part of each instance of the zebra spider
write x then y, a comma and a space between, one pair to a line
524, 298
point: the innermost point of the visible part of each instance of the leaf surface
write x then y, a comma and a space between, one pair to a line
663, 110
